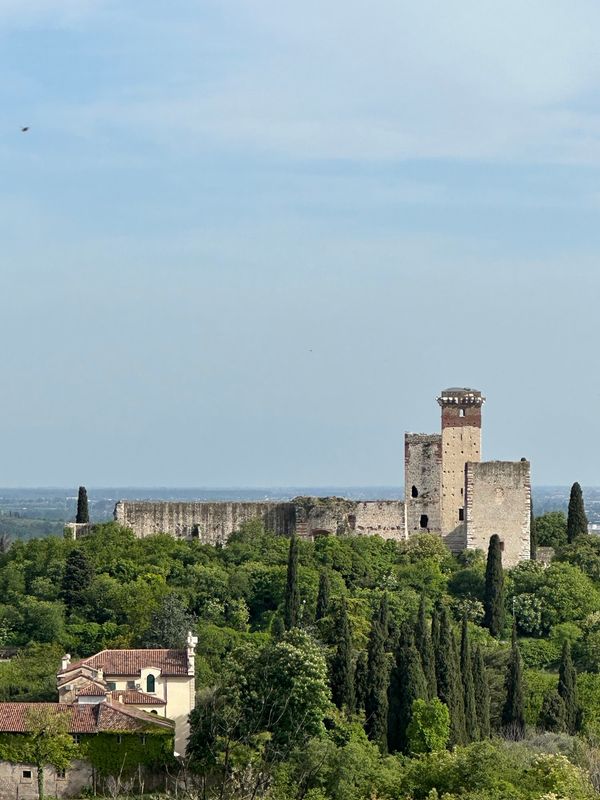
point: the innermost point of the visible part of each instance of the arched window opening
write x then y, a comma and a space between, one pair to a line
150, 684
414, 492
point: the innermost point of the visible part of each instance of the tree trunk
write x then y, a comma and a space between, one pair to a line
40, 781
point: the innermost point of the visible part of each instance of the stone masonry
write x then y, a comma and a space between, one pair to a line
498, 498
449, 491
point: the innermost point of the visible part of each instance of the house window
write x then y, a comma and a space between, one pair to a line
77, 738
150, 684
111, 686
143, 738
61, 774
119, 739
131, 684
154, 711
26, 775
461, 412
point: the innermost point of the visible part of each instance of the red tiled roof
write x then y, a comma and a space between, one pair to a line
132, 662
91, 690
137, 698
94, 718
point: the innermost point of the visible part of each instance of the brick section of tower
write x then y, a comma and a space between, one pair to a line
461, 443
422, 482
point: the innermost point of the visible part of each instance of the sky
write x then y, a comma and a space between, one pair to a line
247, 242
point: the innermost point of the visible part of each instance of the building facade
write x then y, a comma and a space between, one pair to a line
158, 682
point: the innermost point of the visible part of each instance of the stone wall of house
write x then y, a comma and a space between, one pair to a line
19, 781
214, 523
422, 482
498, 500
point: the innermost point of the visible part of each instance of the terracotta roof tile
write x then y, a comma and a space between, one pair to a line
91, 690
137, 698
132, 662
93, 718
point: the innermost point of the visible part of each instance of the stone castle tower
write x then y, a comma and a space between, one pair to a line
461, 444
450, 491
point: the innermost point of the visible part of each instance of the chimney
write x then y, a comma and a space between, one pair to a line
192, 641
65, 662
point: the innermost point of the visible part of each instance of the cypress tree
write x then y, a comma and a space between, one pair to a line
425, 649
76, 579
407, 684
466, 671
376, 701
323, 596
360, 682
449, 685
532, 535
513, 713
577, 523
342, 672
567, 689
291, 608
384, 617
482, 694
493, 601
83, 514
552, 715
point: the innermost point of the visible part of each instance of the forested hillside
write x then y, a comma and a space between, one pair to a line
341, 668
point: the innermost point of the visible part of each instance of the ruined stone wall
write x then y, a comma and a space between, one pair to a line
422, 482
498, 500
214, 523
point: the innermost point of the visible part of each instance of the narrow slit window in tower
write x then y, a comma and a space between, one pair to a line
461, 514
461, 412
414, 492
424, 521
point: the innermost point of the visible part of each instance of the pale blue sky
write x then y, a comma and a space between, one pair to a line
246, 242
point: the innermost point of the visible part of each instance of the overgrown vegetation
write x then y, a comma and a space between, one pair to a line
340, 668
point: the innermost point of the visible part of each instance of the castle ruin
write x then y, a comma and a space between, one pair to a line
448, 491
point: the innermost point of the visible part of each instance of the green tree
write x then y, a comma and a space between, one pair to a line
342, 668
77, 578
360, 681
429, 727
51, 744
551, 529
407, 684
291, 608
567, 689
425, 649
83, 514
169, 625
513, 713
482, 694
552, 716
493, 602
376, 701
292, 690
449, 685
466, 671
577, 523
323, 595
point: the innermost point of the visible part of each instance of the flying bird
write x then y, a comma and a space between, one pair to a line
25, 129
